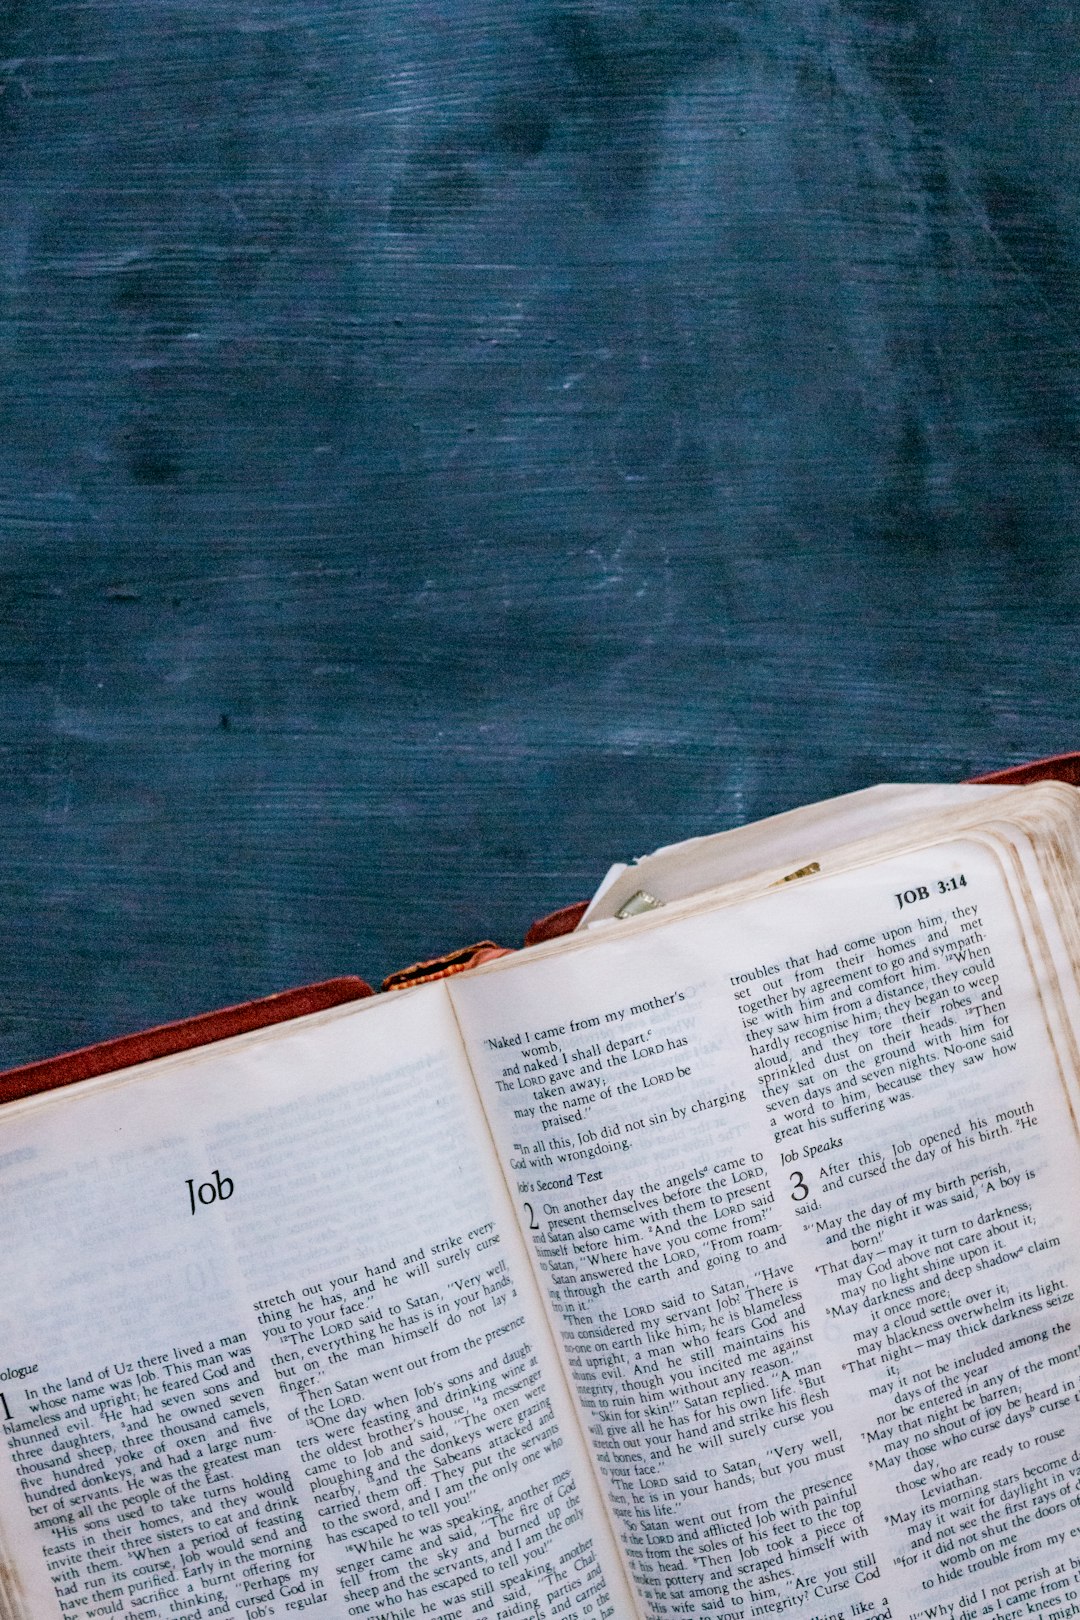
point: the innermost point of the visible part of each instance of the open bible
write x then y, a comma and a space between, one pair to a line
715, 1260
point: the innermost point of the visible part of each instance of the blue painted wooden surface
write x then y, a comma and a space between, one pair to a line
447, 445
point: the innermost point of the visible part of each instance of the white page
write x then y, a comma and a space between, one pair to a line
271, 1342
749, 1140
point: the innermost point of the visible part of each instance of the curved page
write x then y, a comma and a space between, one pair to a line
271, 1343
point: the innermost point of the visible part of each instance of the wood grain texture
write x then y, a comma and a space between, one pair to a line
449, 445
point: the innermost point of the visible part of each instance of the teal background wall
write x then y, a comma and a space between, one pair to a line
448, 445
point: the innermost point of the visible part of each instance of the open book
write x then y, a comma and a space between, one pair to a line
718, 1260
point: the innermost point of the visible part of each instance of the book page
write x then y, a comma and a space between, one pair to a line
271, 1343
801, 1176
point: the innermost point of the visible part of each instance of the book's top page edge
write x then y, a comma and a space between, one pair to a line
1053, 798
677, 871
131, 1056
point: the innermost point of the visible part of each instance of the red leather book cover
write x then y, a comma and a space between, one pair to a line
107, 1056
1058, 768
